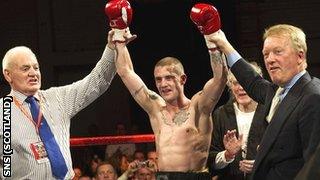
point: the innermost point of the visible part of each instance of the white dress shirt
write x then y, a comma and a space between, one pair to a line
244, 120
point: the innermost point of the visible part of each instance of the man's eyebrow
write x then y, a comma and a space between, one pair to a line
25, 65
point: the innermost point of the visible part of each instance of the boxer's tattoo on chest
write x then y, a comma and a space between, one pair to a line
181, 117
178, 119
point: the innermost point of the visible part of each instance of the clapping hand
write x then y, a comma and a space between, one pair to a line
232, 144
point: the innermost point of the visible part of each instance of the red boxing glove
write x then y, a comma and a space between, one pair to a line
207, 19
119, 13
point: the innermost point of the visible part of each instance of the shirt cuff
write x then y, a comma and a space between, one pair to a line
108, 54
233, 58
220, 161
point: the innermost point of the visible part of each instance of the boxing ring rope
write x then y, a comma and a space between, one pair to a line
104, 140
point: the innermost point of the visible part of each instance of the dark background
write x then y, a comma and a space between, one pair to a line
68, 37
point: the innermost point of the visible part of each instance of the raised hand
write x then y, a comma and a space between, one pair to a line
232, 144
207, 19
220, 40
119, 13
151, 165
127, 39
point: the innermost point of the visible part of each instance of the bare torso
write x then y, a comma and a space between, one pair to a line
182, 127
181, 145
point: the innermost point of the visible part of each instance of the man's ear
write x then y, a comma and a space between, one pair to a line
302, 57
183, 79
7, 75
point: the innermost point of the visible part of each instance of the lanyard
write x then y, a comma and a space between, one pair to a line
25, 112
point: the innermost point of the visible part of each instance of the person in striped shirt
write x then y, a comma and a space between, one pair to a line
57, 105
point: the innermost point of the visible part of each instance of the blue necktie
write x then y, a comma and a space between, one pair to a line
58, 165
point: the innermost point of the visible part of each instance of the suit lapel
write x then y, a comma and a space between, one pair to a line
280, 117
232, 124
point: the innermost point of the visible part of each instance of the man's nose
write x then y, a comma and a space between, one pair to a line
270, 58
163, 83
240, 88
32, 72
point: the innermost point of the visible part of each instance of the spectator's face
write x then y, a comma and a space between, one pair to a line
282, 61
106, 172
168, 82
24, 74
152, 155
144, 174
121, 130
139, 156
238, 92
94, 164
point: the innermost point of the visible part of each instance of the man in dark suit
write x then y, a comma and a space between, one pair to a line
291, 100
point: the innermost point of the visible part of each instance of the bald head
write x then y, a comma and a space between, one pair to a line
13, 54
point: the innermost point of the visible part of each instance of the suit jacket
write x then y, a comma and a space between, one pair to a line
311, 169
286, 144
224, 119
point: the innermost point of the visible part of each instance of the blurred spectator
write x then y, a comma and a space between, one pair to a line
138, 170
95, 131
134, 129
121, 129
127, 149
120, 162
95, 161
105, 171
124, 163
144, 173
139, 155
152, 156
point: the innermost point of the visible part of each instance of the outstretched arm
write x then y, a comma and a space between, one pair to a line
213, 89
146, 98
74, 97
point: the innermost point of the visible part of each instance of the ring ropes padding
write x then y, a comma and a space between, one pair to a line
104, 140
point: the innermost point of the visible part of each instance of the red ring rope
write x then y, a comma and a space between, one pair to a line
103, 140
